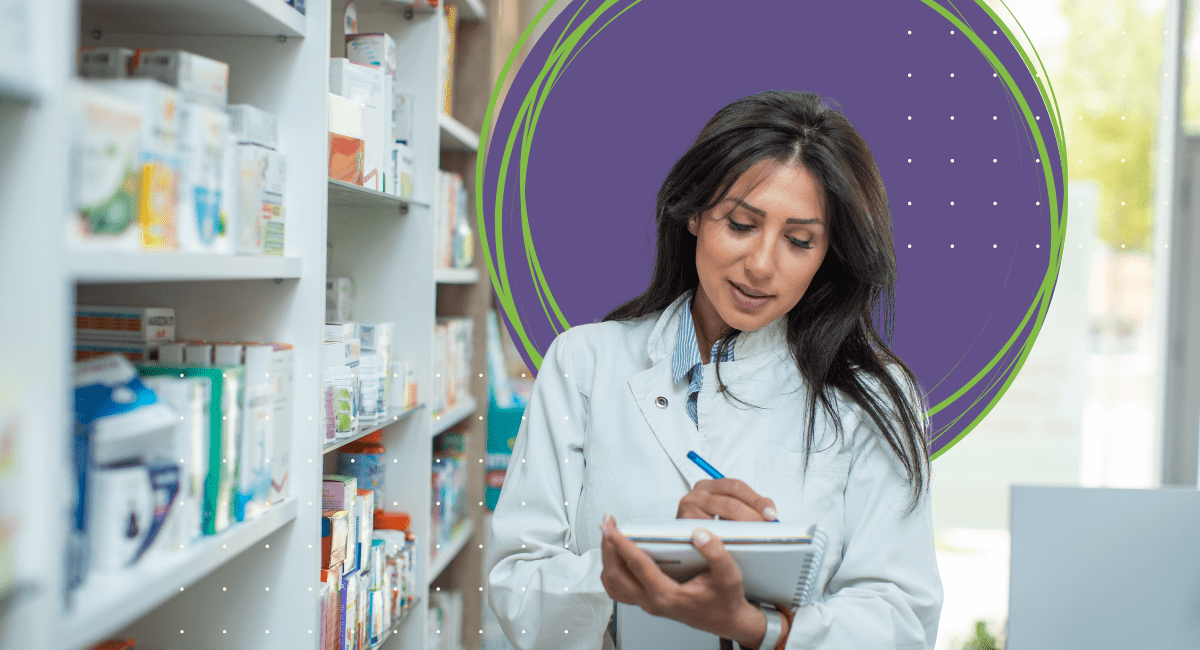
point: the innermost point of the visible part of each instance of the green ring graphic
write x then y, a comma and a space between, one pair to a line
568, 45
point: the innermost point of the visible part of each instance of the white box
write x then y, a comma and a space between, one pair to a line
402, 117
261, 209
105, 62
339, 300
198, 78
229, 201
283, 369
253, 126
105, 180
347, 138
198, 354
402, 158
148, 324
228, 354
202, 152
365, 84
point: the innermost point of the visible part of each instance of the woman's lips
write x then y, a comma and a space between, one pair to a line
744, 299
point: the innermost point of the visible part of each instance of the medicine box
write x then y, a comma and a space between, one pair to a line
105, 62
339, 300
333, 538
377, 50
202, 152
149, 324
135, 351
340, 331
374, 337
365, 503
347, 139
347, 352
224, 411
158, 194
106, 133
402, 107
283, 373
365, 84
198, 78
253, 126
261, 210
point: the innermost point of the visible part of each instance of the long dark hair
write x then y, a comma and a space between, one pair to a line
834, 332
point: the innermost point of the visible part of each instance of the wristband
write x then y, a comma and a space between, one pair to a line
774, 628
783, 638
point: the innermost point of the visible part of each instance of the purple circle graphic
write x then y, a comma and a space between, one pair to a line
974, 199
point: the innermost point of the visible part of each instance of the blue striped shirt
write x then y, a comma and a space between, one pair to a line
686, 360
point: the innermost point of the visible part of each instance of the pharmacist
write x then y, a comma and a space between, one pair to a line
755, 347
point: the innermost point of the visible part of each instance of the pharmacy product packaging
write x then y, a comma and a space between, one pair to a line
117, 419
449, 42
365, 84
340, 331
189, 397
171, 353
105, 62
261, 210
122, 509
254, 470
365, 503
410, 385
377, 50
349, 622
298, 5
338, 493
322, 615
252, 125
339, 300
333, 640
105, 180
347, 138
229, 354
134, 351
200, 354
148, 324
224, 417
201, 153
402, 158
333, 538
375, 337
339, 403
283, 381
347, 352
230, 196
198, 79
403, 104
158, 197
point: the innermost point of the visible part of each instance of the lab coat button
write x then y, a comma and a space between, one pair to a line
661, 402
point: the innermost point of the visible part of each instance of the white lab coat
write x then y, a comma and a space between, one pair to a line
594, 441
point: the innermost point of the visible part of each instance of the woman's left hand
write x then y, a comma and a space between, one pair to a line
713, 601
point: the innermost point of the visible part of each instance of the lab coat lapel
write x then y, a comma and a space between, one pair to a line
675, 434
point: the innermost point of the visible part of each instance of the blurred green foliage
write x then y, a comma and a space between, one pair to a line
1111, 78
983, 640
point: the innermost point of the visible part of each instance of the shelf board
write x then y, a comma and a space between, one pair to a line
456, 276
395, 415
108, 604
175, 267
443, 421
348, 196
211, 17
449, 551
18, 90
391, 627
456, 136
468, 10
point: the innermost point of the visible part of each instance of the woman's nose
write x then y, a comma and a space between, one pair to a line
760, 259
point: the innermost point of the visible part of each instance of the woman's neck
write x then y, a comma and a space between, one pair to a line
709, 326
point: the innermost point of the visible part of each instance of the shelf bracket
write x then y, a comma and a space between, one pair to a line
408, 13
403, 209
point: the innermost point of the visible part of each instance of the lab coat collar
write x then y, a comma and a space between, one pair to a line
772, 336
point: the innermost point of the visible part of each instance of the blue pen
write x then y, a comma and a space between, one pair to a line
712, 471
709, 469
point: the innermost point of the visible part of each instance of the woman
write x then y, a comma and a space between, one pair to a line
755, 346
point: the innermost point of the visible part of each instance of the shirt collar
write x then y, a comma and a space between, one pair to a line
686, 354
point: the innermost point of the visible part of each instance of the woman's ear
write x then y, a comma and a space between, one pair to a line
694, 225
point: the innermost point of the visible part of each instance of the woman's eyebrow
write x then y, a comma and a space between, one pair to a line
762, 213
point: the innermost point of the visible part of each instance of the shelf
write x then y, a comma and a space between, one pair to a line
456, 136
443, 421
449, 551
456, 276
468, 10
108, 604
175, 267
14, 593
211, 17
17, 90
348, 196
395, 415
391, 627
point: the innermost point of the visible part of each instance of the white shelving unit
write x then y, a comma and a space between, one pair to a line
254, 585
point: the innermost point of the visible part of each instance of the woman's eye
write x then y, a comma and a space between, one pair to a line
739, 227
800, 242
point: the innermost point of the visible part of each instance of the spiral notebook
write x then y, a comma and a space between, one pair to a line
780, 564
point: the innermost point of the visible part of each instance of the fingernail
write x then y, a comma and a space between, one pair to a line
700, 537
603, 531
770, 514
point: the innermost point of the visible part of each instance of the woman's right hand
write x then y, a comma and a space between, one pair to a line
725, 498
